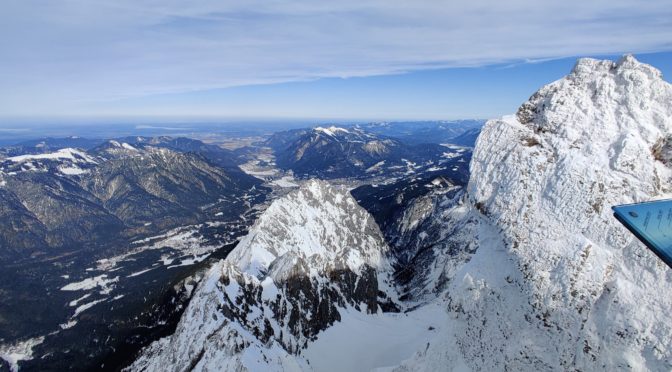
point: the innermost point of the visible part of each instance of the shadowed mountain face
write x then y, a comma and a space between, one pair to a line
20, 228
337, 152
71, 198
312, 256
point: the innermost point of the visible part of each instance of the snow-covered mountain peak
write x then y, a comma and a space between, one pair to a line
633, 94
74, 155
334, 133
554, 268
317, 223
332, 130
312, 256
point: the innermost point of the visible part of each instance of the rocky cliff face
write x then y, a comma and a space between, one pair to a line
311, 255
424, 222
556, 282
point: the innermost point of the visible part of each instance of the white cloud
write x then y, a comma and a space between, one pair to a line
57, 56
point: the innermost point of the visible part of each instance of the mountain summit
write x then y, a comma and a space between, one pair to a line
335, 152
311, 256
557, 282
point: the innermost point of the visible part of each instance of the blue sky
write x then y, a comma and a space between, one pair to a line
453, 93
365, 59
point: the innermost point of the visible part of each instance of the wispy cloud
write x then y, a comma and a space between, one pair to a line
58, 55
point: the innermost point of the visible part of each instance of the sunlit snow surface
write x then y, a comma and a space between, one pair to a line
67, 153
557, 282
361, 342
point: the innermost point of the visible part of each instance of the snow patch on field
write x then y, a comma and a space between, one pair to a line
138, 273
87, 306
286, 181
190, 261
89, 283
19, 351
184, 241
74, 303
68, 324
376, 167
72, 170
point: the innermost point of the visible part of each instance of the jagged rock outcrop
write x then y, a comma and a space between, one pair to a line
557, 283
311, 255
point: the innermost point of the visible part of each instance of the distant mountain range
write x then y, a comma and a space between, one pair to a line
60, 197
458, 132
337, 152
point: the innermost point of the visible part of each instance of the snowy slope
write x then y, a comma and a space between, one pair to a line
67, 161
312, 256
557, 283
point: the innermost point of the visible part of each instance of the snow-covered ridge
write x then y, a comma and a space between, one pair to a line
331, 131
557, 283
66, 153
67, 161
122, 145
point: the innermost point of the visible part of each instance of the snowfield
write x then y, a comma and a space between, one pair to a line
364, 342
